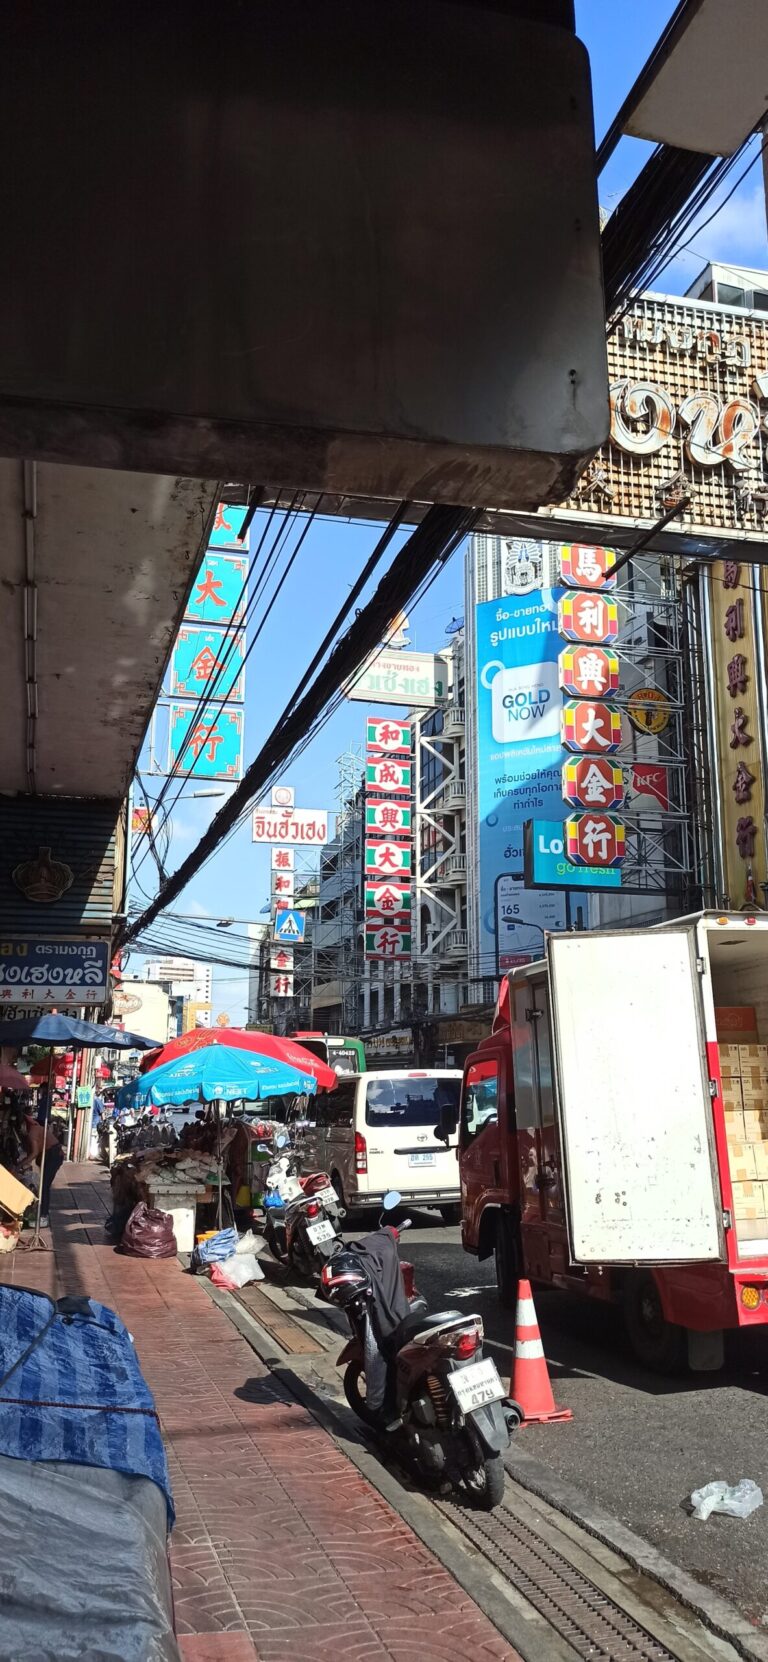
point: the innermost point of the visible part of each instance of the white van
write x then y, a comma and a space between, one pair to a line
376, 1132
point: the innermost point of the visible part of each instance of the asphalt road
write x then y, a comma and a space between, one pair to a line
638, 1444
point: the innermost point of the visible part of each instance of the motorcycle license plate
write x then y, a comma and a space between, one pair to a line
421, 1159
323, 1231
476, 1385
327, 1196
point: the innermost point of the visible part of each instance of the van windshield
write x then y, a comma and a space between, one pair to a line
396, 1102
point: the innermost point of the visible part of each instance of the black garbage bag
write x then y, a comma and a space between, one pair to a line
148, 1234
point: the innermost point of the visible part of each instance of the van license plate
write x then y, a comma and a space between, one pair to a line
476, 1385
421, 1159
322, 1231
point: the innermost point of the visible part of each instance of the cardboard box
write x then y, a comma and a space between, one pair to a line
737, 1020
752, 1056
15, 1197
734, 1125
733, 1101
741, 1159
748, 1200
730, 1061
755, 1081
755, 1126
760, 1153
754, 1229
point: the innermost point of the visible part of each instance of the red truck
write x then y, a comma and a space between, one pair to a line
611, 1147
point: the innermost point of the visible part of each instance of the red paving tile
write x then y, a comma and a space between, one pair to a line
282, 1550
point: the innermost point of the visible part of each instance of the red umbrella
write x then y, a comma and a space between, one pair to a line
266, 1044
11, 1079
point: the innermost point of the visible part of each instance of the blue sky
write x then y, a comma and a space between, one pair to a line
619, 35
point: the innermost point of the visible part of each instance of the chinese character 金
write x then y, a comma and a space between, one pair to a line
731, 574
742, 783
734, 621
739, 734
746, 831
737, 674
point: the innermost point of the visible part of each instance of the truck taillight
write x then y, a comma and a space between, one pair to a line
361, 1154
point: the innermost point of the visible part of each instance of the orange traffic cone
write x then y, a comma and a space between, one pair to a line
530, 1378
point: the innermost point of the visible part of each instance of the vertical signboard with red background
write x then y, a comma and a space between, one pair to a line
388, 848
591, 726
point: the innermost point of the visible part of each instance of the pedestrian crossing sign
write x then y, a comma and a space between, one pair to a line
289, 924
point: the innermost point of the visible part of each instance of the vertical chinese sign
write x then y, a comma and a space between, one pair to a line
388, 844
207, 682
738, 736
588, 673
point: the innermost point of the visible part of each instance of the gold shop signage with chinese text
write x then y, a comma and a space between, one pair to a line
689, 399
737, 726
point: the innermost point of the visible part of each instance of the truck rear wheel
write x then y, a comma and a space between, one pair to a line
660, 1345
507, 1262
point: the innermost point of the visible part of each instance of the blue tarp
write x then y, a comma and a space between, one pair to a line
79, 1394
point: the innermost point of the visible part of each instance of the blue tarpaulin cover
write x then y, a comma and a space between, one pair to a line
79, 1394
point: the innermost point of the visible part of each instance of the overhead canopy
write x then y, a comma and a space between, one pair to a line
705, 87
66, 1030
98, 576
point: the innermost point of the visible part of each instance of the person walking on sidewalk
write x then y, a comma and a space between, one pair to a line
35, 1139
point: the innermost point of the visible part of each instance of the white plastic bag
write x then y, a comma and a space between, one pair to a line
241, 1268
738, 1502
250, 1242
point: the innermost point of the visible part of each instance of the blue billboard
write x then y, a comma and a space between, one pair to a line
219, 590
546, 863
227, 526
209, 745
519, 753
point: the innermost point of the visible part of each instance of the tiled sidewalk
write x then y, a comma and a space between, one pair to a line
281, 1549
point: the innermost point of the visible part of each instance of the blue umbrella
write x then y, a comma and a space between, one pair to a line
67, 1030
217, 1073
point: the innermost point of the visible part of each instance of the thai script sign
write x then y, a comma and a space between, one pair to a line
44, 974
291, 826
689, 398
413, 679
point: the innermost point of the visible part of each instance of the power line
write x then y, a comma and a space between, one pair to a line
432, 539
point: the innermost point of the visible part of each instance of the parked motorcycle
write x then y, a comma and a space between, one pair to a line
302, 1212
419, 1379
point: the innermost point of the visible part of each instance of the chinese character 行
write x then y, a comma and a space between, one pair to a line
205, 738
596, 838
746, 831
737, 674
388, 943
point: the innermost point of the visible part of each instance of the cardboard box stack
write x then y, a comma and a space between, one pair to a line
744, 1073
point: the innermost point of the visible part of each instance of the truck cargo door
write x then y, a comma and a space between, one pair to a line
633, 1102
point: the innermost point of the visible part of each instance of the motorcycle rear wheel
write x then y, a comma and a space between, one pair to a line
486, 1483
354, 1391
